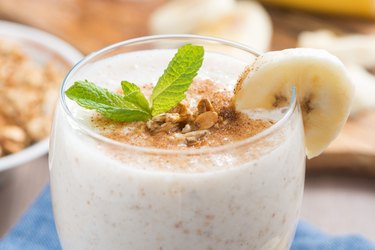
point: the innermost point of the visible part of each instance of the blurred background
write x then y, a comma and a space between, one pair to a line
340, 184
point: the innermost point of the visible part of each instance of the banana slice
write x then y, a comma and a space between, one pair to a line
364, 98
248, 23
185, 16
324, 91
354, 48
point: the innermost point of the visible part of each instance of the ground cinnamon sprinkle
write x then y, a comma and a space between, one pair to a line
180, 129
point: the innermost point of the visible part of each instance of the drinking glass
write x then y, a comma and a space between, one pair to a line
108, 194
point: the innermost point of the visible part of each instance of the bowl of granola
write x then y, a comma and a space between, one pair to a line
32, 65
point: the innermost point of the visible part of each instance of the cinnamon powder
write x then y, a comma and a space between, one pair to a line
231, 126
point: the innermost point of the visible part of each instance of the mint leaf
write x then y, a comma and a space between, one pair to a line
172, 85
110, 105
133, 94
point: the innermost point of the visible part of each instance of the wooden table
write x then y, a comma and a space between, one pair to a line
335, 203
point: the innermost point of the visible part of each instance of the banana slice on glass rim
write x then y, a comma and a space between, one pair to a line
324, 91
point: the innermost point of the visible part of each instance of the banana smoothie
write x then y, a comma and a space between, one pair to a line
195, 174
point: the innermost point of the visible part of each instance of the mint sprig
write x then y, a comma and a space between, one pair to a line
172, 85
133, 105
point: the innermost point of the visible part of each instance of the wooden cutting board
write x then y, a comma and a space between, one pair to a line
90, 25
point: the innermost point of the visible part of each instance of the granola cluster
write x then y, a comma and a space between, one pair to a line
28, 92
186, 126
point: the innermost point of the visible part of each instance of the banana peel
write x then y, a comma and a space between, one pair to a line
358, 8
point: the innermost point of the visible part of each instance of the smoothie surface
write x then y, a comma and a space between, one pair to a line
205, 118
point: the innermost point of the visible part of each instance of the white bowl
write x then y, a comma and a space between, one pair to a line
41, 46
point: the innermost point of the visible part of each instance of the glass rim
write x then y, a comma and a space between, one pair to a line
191, 151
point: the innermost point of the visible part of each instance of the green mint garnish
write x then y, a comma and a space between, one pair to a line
110, 105
133, 105
172, 85
133, 94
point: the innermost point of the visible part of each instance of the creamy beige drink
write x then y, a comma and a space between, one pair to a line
108, 194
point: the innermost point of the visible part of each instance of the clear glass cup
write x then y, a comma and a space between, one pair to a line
112, 195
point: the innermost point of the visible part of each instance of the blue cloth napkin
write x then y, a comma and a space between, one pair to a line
36, 231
